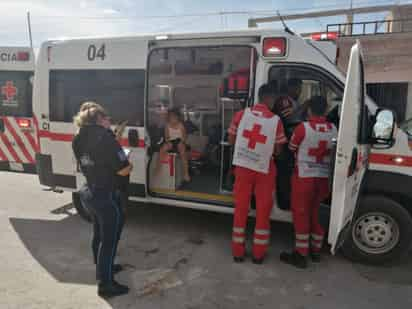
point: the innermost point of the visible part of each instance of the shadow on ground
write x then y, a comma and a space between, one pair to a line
185, 251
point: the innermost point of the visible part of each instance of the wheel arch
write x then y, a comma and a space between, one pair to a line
394, 186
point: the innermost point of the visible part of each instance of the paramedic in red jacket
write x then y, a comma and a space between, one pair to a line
257, 134
311, 142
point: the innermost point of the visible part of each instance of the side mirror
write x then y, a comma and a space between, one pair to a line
383, 129
133, 137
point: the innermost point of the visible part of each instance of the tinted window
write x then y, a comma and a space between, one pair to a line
15, 93
121, 92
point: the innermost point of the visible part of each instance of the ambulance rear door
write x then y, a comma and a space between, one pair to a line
108, 71
351, 151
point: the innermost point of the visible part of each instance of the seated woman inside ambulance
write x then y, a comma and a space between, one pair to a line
175, 139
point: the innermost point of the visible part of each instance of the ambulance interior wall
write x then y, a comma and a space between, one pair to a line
191, 79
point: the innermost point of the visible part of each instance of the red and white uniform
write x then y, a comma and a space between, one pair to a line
256, 173
312, 143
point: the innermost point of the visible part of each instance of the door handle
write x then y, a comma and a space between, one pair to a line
353, 162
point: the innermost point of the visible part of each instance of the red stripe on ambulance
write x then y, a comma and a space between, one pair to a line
390, 159
32, 141
3, 156
63, 137
10, 148
18, 140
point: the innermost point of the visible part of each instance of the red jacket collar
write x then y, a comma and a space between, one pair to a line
317, 119
261, 106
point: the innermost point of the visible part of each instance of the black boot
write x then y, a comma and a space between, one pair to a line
117, 268
238, 259
295, 259
111, 289
258, 261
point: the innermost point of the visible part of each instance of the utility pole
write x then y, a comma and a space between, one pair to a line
29, 28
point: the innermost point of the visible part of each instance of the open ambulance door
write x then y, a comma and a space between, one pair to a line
351, 152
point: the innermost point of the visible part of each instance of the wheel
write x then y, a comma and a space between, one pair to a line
381, 231
83, 213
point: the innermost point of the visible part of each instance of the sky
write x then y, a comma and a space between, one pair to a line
52, 19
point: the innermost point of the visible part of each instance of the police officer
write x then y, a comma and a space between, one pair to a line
101, 158
257, 134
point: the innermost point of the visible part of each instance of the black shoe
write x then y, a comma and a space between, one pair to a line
315, 256
238, 259
116, 269
294, 259
112, 289
258, 261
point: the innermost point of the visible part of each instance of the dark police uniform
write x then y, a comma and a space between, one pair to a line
100, 158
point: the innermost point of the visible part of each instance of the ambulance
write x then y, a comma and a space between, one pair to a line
208, 77
18, 134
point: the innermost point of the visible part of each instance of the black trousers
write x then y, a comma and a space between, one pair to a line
108, 222
284, 164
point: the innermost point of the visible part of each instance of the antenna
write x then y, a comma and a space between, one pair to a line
29, 28
286, 28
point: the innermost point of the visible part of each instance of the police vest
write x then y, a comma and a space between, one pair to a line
314, 152
255, 140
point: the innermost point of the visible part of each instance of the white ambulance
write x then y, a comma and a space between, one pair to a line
18, 134
208, 77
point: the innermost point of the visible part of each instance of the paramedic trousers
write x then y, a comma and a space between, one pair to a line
307, 194
108, 220
263, 185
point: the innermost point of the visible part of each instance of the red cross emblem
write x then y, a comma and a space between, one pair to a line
9, 91
254, 136
321, 152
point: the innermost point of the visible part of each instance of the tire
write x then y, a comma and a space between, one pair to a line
380, 233
83, 213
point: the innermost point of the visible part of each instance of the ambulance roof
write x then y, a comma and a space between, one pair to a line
193, 35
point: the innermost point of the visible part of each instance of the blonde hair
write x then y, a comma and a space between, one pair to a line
88, 114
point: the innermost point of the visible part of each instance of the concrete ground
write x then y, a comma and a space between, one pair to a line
176, 258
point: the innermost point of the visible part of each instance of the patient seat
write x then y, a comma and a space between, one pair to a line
167, 174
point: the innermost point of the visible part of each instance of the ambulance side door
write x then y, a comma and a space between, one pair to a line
351, 151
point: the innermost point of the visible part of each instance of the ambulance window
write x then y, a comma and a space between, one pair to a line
16, 93
200, 82
121, 92
313, 83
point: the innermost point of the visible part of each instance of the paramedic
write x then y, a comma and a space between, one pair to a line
311, 142
101, 158
258, 135
291, 113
